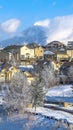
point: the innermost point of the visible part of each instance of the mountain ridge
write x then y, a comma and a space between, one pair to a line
34, 34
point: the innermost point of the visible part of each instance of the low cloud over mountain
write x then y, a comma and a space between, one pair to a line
59, 28
34, 34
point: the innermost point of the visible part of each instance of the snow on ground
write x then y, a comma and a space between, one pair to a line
17, 116
55, 114
41, 122
27, 66
34, 122
62, 93
60, 107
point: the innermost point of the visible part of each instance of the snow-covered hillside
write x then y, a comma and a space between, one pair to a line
62, 93
34, 34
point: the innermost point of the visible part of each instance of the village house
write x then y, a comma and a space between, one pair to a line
70, 44
59, 49
28, 54
39, 52
15, 50
20, 53
30, 76
70, 50
62, 56
49, 55
25, 53
70, 54
55, 46
7, 71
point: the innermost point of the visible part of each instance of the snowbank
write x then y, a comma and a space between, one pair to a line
55, 114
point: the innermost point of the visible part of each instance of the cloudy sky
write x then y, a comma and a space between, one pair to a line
55, 15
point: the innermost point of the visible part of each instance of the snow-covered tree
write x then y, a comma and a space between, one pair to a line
18, 94
70, 73
37, 92
48, 76
63, 78
12, 59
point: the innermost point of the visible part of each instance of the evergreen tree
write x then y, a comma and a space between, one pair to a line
37, 92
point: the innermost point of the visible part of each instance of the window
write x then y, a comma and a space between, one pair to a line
22, 56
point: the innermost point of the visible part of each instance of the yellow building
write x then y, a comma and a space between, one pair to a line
56, 65
2, 77
70, 53
61, 56
38, 52
30, 77
26, 52
8, 72
67, 104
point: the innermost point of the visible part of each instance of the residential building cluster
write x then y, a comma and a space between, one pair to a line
14, 56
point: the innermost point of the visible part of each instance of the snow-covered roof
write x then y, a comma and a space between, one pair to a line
26, 68
48, 53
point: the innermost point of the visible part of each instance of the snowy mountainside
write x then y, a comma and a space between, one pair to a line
34, 34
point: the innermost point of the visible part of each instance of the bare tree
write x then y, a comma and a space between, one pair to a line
63, 78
